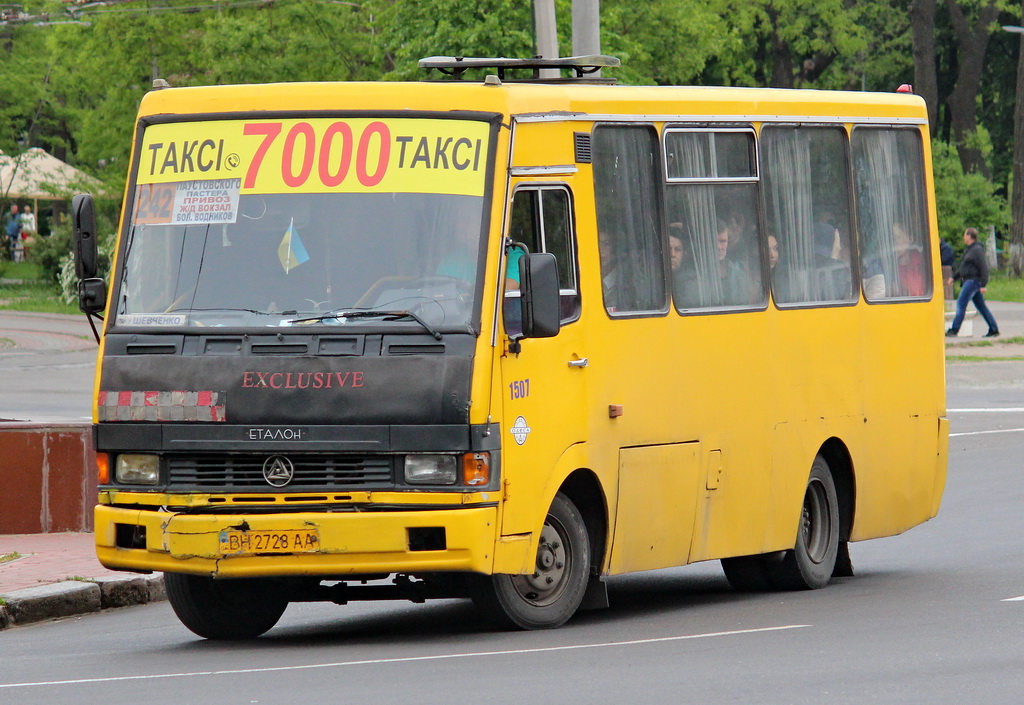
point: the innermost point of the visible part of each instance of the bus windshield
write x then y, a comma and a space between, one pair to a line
290, 256
265, 221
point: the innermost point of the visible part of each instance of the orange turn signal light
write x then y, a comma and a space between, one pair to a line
476, 469
103, 468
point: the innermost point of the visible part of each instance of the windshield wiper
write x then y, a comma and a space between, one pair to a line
221, 310
366, 313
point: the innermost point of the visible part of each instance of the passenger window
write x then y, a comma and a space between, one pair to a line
711, 207
541, 219
807, 203
891, 213
627, 189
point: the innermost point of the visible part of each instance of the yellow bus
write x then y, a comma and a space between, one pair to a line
502, 338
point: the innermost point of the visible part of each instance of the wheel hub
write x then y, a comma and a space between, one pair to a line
549, 576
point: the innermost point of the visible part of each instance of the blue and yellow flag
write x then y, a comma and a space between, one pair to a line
290, 251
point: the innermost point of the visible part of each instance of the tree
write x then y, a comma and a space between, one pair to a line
664, 42
405, 31
836, 44
972, 35
926, 81
963, 198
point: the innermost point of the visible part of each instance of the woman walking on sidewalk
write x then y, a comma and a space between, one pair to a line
973, 272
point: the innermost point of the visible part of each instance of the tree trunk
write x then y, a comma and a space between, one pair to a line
926, 81
1017, 196
972, 42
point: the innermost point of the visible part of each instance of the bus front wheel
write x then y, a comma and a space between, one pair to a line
225, 609
549, 596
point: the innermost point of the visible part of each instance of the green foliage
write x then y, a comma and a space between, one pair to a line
405, 31
50, 251
663, 43
1004, 287
75, 89
964, 200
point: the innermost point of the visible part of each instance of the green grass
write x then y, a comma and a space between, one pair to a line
1003, 287
20, 270
25, 290
1015, 340
983, 358
38, 297
7, 557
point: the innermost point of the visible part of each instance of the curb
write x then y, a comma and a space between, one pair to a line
74, 597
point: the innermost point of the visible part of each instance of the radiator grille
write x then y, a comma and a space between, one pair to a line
232, 472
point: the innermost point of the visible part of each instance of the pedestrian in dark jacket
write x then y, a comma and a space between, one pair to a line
973, 273
948, 260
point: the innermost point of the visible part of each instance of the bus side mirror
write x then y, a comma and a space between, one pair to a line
538, 284
92, 295
83, 216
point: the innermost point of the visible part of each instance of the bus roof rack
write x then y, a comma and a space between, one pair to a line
582, 66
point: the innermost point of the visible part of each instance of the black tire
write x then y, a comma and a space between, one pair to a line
551, 595
747, 573
225, 609
810, 564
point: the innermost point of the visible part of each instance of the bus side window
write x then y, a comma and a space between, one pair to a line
807, 204
541, 218
891, 212
627, 189
711, 206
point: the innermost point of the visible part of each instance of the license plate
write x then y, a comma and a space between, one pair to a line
300, 541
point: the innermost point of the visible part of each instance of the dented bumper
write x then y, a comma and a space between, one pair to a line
461, 539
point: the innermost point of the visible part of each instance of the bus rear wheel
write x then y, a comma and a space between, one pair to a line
225, 609
549, 596
810, 563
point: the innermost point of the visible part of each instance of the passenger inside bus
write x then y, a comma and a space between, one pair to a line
734, 281
910, 264
685, 287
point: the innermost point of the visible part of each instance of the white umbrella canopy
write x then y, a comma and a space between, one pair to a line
38, 175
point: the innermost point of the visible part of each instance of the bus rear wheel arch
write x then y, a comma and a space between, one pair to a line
548, 597
811, 562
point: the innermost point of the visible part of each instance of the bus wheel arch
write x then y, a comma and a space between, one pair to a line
548, 597
840, 462
820, 549
584, 488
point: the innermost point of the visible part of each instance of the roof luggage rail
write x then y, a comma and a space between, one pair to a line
582, 67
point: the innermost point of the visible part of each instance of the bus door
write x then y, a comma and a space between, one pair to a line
543, 386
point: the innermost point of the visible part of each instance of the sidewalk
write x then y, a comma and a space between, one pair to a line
58, 575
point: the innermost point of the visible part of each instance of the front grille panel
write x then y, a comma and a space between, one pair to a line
225, 473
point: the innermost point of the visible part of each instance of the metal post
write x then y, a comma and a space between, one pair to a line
547, 35
586, 28
1017, 197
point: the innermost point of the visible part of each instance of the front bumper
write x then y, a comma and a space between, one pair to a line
350, 542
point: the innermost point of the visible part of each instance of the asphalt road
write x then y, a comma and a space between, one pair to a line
47, 365
931, 617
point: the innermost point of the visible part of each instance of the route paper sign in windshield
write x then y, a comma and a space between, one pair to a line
194, 172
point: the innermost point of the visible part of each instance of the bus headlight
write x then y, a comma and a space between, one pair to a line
431, 469
137, 469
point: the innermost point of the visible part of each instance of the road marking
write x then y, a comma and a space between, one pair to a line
982, 433
1014, 599
406, 659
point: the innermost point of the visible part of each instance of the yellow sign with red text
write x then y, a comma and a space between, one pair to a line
320, 155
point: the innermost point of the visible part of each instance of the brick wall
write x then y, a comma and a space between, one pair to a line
47, 478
